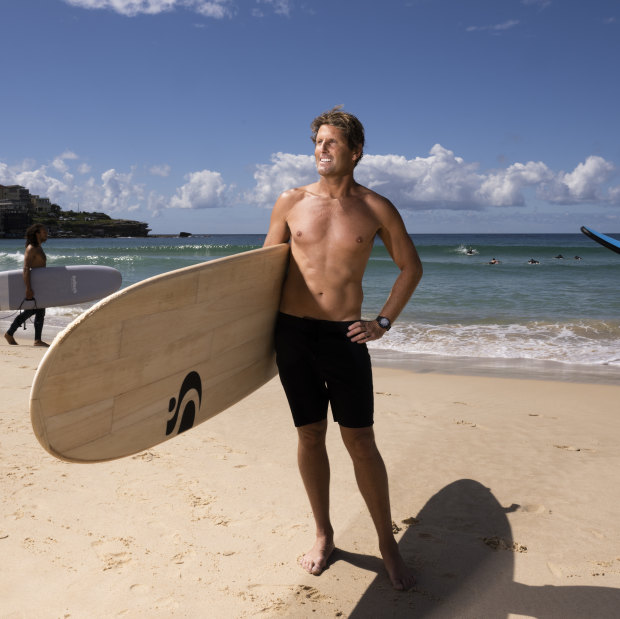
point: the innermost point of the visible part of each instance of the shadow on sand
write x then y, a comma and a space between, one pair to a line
462, 550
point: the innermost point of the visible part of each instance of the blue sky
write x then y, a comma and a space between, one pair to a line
480, 115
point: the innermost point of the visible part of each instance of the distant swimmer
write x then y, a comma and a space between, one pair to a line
494, 261
471, 251
532, 261
560, 257
577, 257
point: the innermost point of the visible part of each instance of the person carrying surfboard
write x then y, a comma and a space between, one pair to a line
34, 258
320, 336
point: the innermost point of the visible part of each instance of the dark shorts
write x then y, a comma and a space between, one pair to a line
319, 365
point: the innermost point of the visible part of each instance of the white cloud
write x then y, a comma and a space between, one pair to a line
40, 183
280, 7
511, 23
113, 191
59, 162
586, 183
443, 180
216, 9
117, 192
204, 189
504, 187
286, 171
162, 170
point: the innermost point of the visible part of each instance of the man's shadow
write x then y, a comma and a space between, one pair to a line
461, 547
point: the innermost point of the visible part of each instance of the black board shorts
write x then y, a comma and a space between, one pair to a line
320, 365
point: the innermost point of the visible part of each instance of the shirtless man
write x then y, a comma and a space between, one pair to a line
34, 258
320, 336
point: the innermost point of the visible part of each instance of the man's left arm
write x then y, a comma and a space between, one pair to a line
404, 254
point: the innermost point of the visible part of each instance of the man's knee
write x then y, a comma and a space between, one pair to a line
360, 442
312, 435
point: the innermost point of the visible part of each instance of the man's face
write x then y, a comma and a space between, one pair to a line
42, 235
332, 153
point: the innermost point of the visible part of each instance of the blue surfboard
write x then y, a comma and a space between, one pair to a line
603, 239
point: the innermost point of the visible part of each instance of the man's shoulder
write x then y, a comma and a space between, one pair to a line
290, 197
372, 198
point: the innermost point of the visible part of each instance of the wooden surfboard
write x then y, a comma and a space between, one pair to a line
159, 357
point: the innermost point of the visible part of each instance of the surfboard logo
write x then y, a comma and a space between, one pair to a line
74, 284
191, 387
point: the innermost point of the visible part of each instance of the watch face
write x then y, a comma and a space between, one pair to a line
384, 323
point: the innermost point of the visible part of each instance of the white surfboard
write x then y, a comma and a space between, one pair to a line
159, 357
56, 286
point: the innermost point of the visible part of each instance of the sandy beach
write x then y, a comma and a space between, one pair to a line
504, 497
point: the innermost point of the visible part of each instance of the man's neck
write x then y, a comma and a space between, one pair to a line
335, 188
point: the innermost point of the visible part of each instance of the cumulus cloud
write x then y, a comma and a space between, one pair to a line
204, 189
112, 191
117, 191
586, 183
60, 162
439, 181
284, 172
443, 180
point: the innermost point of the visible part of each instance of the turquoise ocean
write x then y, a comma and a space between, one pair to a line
556, 319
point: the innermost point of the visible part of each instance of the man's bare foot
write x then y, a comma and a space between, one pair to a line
10, 339
315, 560
401, 576
41, 343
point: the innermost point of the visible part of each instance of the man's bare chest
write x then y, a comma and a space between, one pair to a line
333, 226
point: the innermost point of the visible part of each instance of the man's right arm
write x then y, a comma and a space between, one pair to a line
278, 227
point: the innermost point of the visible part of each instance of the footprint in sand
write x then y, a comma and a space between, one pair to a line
309, 592
463, 422
532, 509
499, 543
572, 448
116, 559
556, 570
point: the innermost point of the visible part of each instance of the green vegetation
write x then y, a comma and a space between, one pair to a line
71, 224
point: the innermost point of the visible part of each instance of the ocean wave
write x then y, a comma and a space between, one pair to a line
9, 259
465, 250
582, 342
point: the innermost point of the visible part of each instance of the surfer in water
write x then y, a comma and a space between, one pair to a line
320, 336
34, 258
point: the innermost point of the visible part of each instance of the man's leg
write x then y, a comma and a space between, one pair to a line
314, 468
39, 319
16, 324
372, 481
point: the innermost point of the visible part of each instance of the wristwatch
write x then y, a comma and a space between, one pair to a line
383, 322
